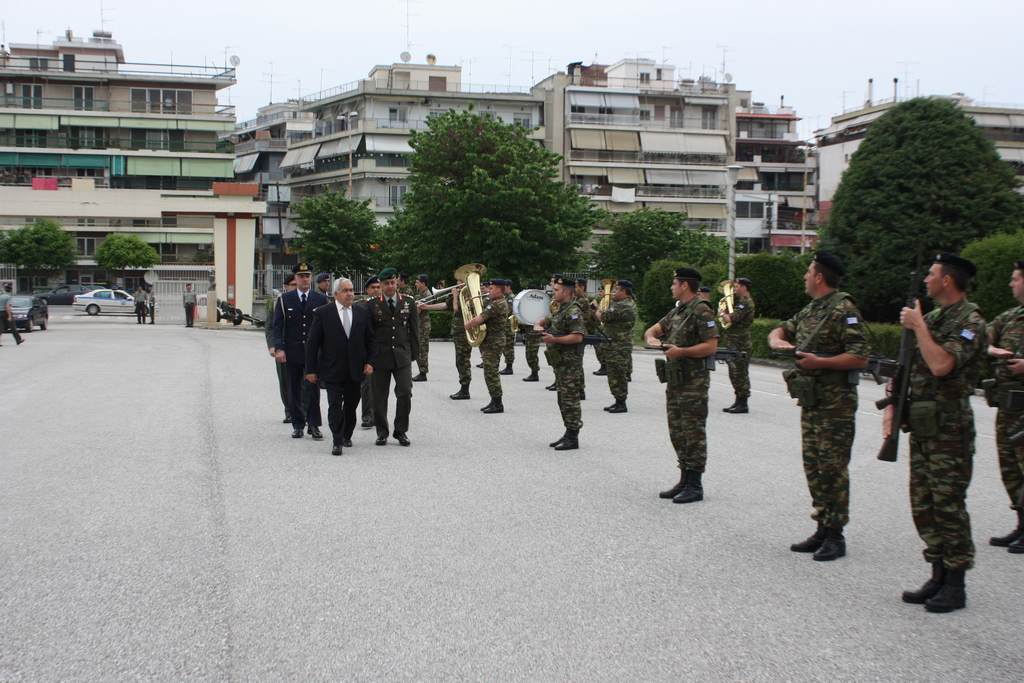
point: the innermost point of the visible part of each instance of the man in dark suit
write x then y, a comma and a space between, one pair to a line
292, 320
337, 351
395, 343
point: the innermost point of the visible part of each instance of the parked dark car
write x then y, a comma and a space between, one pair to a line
29, 311
64, 295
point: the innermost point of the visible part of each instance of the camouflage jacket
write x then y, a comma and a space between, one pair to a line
495, 316
690, 324
589, 321
960, 330
618, 322
1007, 332
424, 315
737, 335
840, 329
567, 320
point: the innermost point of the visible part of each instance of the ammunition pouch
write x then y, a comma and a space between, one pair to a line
988, 386
660, 371
1006, 396
923, 417
553, 358
801, 387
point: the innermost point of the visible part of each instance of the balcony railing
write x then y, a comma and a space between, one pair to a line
635, 120
272, 145
64, 141
268, 119
425, 86
112, 67
118, 106
25, 180
692, 191
614, 157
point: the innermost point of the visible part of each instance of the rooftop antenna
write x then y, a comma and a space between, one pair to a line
664, 52
408, 26
269, 78
509, 74
532, 60
725, 49
227, 48
103, 16
906, 73
322, 72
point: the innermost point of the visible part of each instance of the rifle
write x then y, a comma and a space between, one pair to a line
879, 368
900, 399
722, 355
592, 339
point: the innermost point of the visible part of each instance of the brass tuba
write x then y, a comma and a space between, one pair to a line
725, 304
606, 299
471, 300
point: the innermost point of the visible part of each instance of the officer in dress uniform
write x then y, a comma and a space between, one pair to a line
292, 320
396, 343
280, 369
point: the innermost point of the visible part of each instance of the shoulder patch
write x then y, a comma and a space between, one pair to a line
851, 320
711, 323
967, 334
741, 305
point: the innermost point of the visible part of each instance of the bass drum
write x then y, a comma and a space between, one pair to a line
531, 305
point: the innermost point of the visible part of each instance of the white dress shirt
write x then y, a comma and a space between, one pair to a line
345, 314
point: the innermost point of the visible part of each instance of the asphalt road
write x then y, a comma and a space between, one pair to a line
157, 522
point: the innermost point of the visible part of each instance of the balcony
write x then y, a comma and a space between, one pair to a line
268, 119
389, 85
691, 191
632, 121
618, 157
106, 67
119, 106
66, 141
271, 145
24, 179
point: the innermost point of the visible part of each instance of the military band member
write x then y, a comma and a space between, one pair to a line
423, 311
737, 336
951, 344
564, 339
292, 321
552, 310
589, 323
688, 335
1006, 345
617, 324
371, 290
531, 346
268, 330
495, 317
704, 293
510, 339
461, 343
828, 338
396, 342
323, 285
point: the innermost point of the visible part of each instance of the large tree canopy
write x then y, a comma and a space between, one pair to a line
924, 179
44, 245
336, 233
120, 251
482, 191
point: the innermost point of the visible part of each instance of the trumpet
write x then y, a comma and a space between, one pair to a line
438, 295
726, 303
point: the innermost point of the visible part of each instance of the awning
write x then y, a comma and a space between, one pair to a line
86, 161
704, 144
1017, 120
747, 173
706, 101
245, 164
623, 195
588, 170
992, 120
175, 237
588, 139
388, 144
36, 122
6, 120
155, 124
209, 126
39, 160
1012, 154
622, 101
339, 147
207, 168
800, 202
705, 211
626, 176
91, 121
586, 99
622, 140
661, 142
715, 178
666, 177
153, 166
300, 156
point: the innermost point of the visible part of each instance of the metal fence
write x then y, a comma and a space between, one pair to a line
170, 285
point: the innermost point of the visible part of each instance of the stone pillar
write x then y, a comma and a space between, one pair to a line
234, 239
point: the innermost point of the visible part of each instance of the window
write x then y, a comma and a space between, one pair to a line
138, 100
38, 63
437, 83
120, 295
709, 118
83, 98
396, 114
103, 294
524, 120
69, 62
645, 114
645, 76
85, 221
657, 74
749, 210
157, 101
167, 249
396, 195
86, 246
32, 97
82, 137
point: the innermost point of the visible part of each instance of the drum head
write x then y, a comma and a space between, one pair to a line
531, 305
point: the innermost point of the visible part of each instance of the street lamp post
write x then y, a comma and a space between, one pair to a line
733, 171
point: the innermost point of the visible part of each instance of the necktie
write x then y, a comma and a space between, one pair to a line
391, 304
302, 298
346, 320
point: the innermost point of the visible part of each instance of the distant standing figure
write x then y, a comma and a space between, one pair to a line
140, 306
188, 300
6, 316
151, 305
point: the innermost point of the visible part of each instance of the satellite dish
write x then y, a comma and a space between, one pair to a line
727, 77
235, 61
405, 56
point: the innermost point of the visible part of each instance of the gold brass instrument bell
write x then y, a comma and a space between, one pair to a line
607, 284
726, 303
471, 300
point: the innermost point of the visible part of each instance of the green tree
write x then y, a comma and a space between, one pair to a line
120, 251
924, 179
482, 191
639, 238
994, 257
44, 245
776, 283
336, 233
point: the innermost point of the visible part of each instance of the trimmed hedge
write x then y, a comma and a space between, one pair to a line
883, 338
994, 257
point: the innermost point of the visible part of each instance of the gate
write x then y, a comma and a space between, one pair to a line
170, 285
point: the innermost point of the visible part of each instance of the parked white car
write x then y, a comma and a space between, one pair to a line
105, 301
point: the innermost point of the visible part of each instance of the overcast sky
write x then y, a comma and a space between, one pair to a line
814, 53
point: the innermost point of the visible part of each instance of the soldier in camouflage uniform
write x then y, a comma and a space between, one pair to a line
617, 324
589, 322
737, 336
510, 339
827, 336
1006, 340
552, 310
371, 290
495, 317
951, 344
423, 310
564, 339
688, 335
531, 342
462, 347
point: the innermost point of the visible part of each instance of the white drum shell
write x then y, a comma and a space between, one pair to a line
531, 305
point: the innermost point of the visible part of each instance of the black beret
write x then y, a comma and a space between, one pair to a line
564, 281
745, 281
486, 283
290, 279
625, 284
830, 261
302, 267
422, 277
371, 281
704, 290
506, 282
957, 262
581, 281
687, 274
323, 276
387, 273
1018, 265
403, 276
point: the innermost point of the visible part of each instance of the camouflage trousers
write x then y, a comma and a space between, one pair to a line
739, 375
617, 359
509, 349
601, 351
490, 353
827, 438
532, 342
366, 399
1011, 458
940, 472
569, 380
421, 360
462, 356
687, 417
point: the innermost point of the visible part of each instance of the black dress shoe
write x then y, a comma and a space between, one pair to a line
287, 420
347, 443
402, 438
296, 433
366, 425
336, 450
381, 440
315, 433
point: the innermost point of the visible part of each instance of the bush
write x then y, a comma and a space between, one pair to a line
994, 257
441, 324
655, 297
778, 286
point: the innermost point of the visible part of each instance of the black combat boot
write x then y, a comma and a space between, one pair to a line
930, 588
532, 377
674, 491
506, 371
583, 395
495, 406
552, 387
812, 543
480, 365
692, 489
833, 547
600, 371
951, 596
1017, 547
422, 377
1010, 538
740, 406
559, 439
570, 441
617, 407
484, 409
462, 394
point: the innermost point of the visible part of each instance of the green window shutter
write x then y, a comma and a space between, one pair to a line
86, 161
117, 166
216, 126
155, 124
36, 122
8, 158
6, 120
39, 160
154, 167
207, 168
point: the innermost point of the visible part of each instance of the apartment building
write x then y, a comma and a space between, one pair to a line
260, 147
1003, 124
775, 191
632, 135
360, 141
